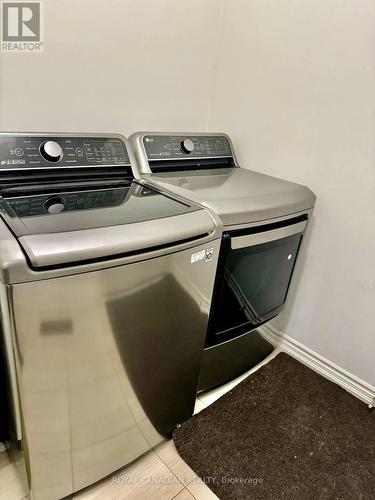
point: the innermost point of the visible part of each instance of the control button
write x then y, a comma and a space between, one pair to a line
51, 151
54, 205
79, 151
18, 152
187, 146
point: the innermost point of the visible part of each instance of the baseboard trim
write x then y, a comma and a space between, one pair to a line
360, 389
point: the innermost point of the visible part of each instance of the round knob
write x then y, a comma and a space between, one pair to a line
54, 205
187, 146
51, 151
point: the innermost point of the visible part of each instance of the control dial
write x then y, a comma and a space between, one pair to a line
54, 205
51, 151
187, 146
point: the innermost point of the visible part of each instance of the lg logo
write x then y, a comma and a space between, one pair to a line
22, 26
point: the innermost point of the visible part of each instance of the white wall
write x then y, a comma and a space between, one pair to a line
114, 66
295, 89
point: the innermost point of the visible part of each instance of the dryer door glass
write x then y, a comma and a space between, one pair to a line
253, 281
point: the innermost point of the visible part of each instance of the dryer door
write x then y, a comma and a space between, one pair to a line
254, 274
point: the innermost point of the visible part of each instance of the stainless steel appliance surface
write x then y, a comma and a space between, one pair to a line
105, 293
264, 221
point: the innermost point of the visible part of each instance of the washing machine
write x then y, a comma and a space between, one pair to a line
264, 220
105, 293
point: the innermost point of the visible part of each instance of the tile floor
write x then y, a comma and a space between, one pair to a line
160, 474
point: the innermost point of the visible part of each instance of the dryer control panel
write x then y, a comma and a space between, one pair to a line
162, 147
25, 152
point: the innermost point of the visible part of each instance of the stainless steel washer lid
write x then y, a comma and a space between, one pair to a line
237, 195
141, 219
74, 246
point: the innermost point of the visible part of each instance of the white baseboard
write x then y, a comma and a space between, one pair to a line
360, 389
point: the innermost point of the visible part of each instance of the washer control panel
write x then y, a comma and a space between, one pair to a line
160, 147
17, 152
